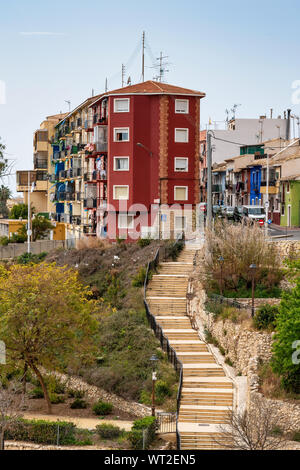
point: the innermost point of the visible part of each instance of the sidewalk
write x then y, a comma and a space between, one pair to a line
82, 423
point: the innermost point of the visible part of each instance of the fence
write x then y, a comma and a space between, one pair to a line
161, 255
13, 250
166, 423
218, 299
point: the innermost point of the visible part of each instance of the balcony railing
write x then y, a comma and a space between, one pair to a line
65, 196
96, 175
88, 124
40, 164
90, 203
216, 188
271, 183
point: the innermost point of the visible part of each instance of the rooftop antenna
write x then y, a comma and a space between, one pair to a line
106, 86
233, 110
227, 115
129, 81
162, 65
143, 58
93, 91
123, 74
69, 104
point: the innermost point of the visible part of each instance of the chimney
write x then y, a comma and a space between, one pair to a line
288, 124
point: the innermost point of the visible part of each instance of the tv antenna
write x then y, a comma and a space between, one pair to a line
69, 104
123, 75
234, 109
162, 67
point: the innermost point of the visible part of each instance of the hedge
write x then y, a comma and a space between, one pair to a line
139, 427
42, 432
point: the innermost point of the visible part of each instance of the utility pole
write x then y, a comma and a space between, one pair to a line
28, 214
143, 58
209, 180
123, 74
267, 199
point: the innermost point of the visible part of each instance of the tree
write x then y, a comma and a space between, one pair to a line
3, 161
40, 228
4, 196
285, 360
255, 429
8, 406
19, 211
46, 318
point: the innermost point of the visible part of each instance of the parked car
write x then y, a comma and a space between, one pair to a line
238, 213
229, 213
254, 214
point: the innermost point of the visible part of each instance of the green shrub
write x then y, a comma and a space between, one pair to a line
4, 241
136, 438
102, 408
109, 431
36, 393
265, 317
139, 279
296, 436
27, 258
78, 404
76, 393
142, 242
42, 432
162, 389
55, 399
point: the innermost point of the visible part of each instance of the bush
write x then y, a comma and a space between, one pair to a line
296, 436
78, 404
265, 318
102, 408
136, 436
36, 393
139, 279
109, 431
143, 242
42, 432
162, 389
4, 241
76, 393
27, 258
55, 399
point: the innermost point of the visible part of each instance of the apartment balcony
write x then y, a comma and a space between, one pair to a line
102, 204
101, 147
64, 196
271, 183
90, 203
217, 188
40, 163
238, 187
88, 125
96, 175
98, 120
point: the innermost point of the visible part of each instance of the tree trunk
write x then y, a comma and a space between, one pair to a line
44, 388
2, 440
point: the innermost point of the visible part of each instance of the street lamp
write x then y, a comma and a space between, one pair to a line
253, 270
153, 360
221, 261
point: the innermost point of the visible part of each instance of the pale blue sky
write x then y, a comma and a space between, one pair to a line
235, 51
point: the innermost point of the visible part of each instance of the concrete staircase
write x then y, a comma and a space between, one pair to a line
207, 394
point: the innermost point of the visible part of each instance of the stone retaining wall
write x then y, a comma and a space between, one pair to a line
246, 349
95, 393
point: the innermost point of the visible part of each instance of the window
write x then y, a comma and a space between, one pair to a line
180, 193
121, 134
121, 192
125, 221
180, 223
181, 106
121, 105
181, 135
181, 164
121, 163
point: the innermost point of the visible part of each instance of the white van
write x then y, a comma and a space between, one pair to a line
254, 214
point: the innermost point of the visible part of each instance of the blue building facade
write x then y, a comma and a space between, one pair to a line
255, 185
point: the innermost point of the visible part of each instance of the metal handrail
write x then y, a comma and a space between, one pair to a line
158, 329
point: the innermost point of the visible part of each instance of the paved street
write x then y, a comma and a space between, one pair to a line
283, 233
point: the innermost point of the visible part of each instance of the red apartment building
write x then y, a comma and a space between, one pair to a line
146, 153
